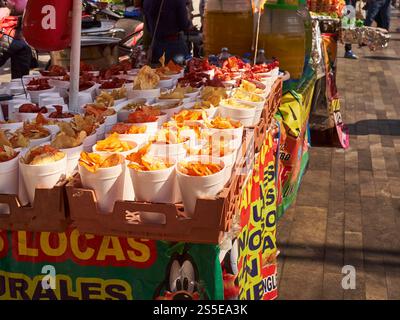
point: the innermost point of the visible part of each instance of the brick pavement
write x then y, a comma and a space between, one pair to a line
348, 208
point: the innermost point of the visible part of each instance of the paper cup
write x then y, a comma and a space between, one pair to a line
110, 121
150, 94
246, 116
89, 142
45, 100
41, 176
107, 184
84, 98
170, 152
53, 128
38, 142
154, 186
233, 137
101, 131
8, 181
124, 153
12, 126
73, 155
152, 127
193, 188
92, 91
119, 107
168, 108
166, 83
36, 94
128, 191
139, 139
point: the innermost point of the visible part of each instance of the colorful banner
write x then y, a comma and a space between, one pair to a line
294, 114
87, 267
257, 251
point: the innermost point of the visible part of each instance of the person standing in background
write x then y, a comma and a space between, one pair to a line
379, 11
166, 21
12, 44
348, 54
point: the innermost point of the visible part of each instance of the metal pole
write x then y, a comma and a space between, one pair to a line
257, 34
75, 55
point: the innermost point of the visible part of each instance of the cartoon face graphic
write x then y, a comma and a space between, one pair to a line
181, 282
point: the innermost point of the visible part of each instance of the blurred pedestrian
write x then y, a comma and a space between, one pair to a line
12, 44
166, 21
379, 11
348, 54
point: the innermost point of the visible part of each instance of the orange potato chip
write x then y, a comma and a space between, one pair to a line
142, 161
170, 136
125, 128
189, 115
93, 161
113, 144
223, 123
199, 169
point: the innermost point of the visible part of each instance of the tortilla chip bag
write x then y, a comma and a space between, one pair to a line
93, 161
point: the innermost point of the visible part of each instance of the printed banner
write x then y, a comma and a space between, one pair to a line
257, 248
82, 266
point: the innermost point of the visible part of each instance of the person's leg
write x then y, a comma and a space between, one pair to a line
348, 52
5, 43
373, 11
384, 14
21, 59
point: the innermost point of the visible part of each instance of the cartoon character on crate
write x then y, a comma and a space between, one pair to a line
181, 279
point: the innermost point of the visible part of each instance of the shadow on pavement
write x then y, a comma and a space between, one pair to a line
379, 126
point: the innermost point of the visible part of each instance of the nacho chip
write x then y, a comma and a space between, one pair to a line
113, 144
169, 136
125, 128
7, 153
189, 115
93, 161
105, 98
43, 155
142, 161
144, 114
199, 169
246, 96
33, 131
84, 123
65, 141
146, 79
223, 123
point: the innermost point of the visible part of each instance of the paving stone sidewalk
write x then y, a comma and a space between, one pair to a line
348, 208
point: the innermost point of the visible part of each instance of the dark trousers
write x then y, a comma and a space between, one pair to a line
176, 50
20, 54
378, 10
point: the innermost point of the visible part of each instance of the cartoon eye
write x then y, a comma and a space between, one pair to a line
175, 276
189, 276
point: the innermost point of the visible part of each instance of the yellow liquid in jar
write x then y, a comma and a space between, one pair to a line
288, 48
233, 30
